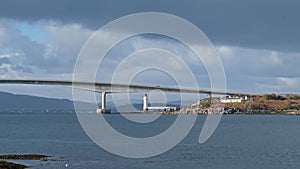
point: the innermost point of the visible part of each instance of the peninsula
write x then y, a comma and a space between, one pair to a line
265, 104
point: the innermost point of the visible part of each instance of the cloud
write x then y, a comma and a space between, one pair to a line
257, 62
21, 52
2, 34
5, 56
273, 58
67, 41
271, 25
292, 83
122, 51
277, 85
6, 71
57, 56
260, 71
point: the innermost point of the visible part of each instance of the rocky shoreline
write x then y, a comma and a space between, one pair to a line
254, 106
221, 110
10, 165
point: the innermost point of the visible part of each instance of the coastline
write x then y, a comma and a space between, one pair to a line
231, 112
266, 104
218, 110
10, 161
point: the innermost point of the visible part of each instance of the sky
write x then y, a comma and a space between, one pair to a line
257, 41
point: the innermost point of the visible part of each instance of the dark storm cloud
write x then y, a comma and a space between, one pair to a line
271, 24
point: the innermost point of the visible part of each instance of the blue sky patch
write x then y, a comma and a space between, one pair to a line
34, 31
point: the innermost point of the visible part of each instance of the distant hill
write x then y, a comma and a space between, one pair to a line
10, 101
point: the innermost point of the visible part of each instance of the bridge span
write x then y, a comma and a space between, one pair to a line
104, 88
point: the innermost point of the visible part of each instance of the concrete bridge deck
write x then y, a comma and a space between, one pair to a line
105, 88
116, 88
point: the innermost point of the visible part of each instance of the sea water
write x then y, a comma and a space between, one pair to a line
240, 141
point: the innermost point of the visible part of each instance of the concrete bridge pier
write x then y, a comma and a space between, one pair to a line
103, 104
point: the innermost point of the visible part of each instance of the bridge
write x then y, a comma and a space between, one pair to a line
105, 88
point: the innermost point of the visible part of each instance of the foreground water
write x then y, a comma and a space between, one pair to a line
240, 141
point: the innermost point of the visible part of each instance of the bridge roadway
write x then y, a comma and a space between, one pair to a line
105, 88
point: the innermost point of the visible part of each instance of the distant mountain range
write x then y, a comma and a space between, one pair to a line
9, 101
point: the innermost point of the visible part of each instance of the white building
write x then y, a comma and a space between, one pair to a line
231, 99
163, 108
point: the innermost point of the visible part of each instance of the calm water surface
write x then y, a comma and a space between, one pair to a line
240, 141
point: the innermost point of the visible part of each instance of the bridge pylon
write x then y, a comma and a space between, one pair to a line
103, 104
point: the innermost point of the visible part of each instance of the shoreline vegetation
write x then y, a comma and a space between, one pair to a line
11, 165
266, 104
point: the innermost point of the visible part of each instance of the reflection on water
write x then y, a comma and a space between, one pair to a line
240, 141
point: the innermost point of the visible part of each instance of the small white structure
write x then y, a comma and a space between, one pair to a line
164, 108
230, 99
145, 105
